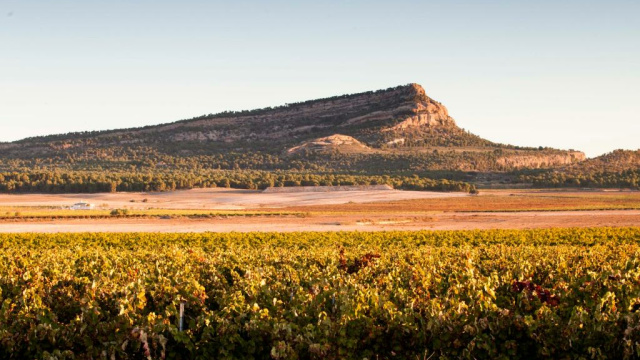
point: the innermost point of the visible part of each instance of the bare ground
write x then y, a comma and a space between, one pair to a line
346, 222
342, 211
219, 199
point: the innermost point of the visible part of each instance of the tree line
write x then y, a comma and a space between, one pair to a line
622, 179
94, 182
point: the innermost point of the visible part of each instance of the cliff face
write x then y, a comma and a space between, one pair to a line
368, 114
540, 161
412, 109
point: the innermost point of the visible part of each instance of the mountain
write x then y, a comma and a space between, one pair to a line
390, 131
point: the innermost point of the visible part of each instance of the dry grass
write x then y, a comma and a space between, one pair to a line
495, 201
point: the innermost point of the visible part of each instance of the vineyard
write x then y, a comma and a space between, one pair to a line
498, 294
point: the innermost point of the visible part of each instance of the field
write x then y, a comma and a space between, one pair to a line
498, 294
35, 213
255, 281
222, 210
216, 199
309, 275
500, 201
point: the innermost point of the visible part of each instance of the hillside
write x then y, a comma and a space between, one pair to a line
617, 160
617, 169
396, 130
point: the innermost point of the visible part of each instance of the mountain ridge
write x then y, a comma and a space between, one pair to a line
401, 117
413, 89
400, 127
286, 106
397, 136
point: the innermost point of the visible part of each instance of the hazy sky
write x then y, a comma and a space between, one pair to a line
555, 73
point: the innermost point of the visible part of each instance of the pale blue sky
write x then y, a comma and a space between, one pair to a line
557, 73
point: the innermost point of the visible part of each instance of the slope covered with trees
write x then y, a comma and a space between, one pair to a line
398, 132
617, 169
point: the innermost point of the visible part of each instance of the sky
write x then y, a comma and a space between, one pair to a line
564, 74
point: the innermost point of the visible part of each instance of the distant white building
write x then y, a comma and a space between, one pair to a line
82, 206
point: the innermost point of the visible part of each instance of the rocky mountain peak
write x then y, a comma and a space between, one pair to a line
417, 88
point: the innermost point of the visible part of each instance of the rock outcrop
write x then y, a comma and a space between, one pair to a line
336, 142
534, 161
394, 110
420, 111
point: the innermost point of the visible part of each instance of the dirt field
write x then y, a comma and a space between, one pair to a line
342, 211
498, 200
441, 221
218, 199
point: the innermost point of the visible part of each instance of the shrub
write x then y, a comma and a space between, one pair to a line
119, 212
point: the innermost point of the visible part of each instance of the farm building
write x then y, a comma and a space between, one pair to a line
82, 206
